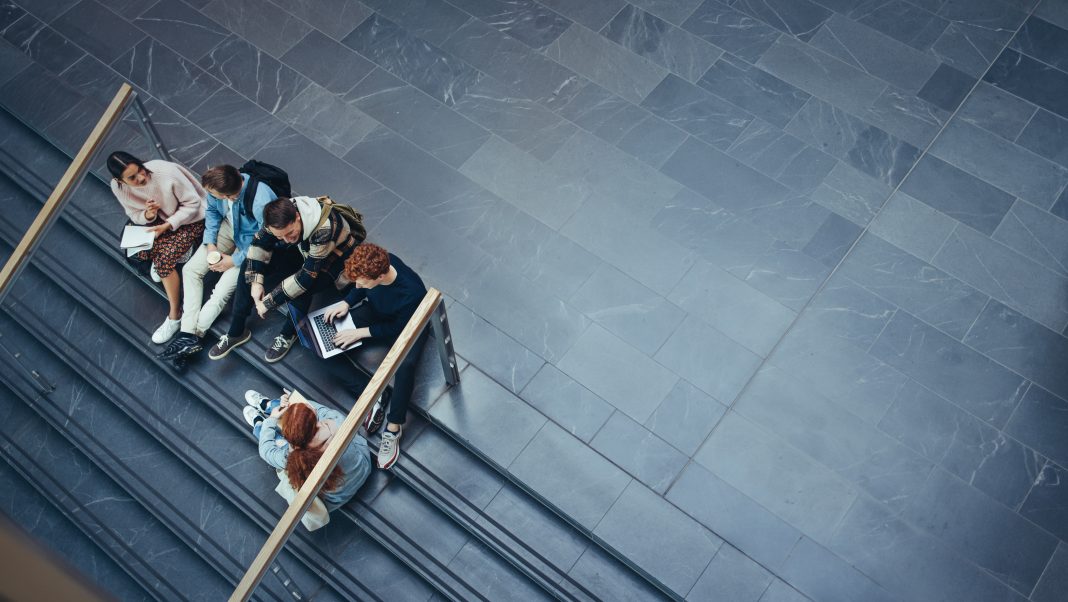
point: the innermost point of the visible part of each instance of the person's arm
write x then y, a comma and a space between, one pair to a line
320, 249
355, 296
259, 255
190, 200
213, 218
270, 451
242, 242
398, 320
136, 212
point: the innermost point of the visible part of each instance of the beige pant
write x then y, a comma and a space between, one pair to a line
198, 316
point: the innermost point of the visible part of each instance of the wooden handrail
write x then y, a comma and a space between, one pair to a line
337, 446
70, 180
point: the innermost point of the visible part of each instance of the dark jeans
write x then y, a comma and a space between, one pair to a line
284, 263
354, 380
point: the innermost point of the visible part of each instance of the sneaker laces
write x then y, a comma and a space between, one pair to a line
280, 343
224, 340
388, 442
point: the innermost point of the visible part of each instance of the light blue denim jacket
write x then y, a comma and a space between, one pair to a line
355, 463
245, 227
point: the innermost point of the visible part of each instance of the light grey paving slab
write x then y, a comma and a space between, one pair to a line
908, 562
611, 66
924, 291
260, 22
527, 183
949, 368
851, 194
1006, 275
648, 36
244, 126
530, 22
529, 74
734, 31
606, 229
820, 74
907, 116
709, 359
781, 156
627, 309
594, 361
1044, 135
997, 111
685, 417
739, 519
591, 13
523, 122
418, 117
327, 62
322, 116
185, 30
847, 311
967, 48
638, 451
788, 275
1036, 234
862, 145
913, 226
430, 20
800, 19
717, 235
822, 575
808, 496
721, 178
585, 491
532, 315
495, 353
495, 422
516, 240
993, 159
732, 307
336, 18
874, 53
673, 11
1022, 344
254, 73
839, 370
694, 110
753, 89
957, 194
731, 576
970, 522
857, 451
160, 71
638, 189
678, 567
570, 405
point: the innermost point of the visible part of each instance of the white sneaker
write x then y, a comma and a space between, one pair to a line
166, 331
252, 417
155, 275
389, 448
257, 400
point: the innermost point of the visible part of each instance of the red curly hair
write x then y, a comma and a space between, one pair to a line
298, 427
368, 260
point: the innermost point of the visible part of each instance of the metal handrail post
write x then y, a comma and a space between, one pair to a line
74, 175
443, 341
149, 129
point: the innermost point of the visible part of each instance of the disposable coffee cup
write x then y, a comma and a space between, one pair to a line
214, 257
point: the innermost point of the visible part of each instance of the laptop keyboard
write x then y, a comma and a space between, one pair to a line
326, 331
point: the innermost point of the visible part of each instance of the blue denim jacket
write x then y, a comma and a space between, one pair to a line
245, 227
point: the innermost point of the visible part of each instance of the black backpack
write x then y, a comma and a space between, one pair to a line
258, 172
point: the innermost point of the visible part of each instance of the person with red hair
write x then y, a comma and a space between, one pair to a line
293, 436
384, 297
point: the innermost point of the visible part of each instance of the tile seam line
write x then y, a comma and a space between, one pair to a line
865, 230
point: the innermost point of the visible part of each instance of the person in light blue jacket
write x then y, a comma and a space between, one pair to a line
228, 231
293, 435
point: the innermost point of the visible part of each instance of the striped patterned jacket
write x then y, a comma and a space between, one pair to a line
325, 249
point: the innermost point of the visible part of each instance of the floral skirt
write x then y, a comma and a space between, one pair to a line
171, 246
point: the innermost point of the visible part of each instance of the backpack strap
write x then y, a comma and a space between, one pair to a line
327, 204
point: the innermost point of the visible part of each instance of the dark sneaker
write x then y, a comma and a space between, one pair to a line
279, 348
184, 344
257, 400
374, 419
252, 417
178, 363
226, 344
389, 448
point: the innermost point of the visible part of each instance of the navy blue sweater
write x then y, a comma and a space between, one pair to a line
396, 302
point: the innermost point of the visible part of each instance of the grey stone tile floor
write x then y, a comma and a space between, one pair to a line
770, 295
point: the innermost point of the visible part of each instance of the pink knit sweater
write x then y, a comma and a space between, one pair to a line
175, 188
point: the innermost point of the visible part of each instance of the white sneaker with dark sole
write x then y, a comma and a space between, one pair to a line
257, 400
166, 331
389, 448
252, 416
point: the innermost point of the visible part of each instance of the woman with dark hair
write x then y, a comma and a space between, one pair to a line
168, 198
293, 436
